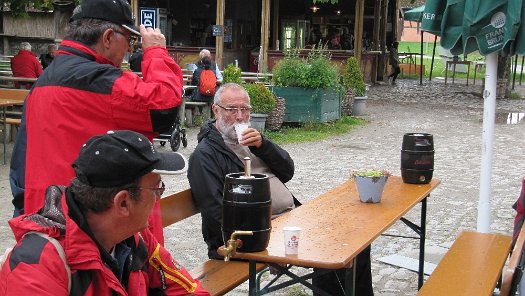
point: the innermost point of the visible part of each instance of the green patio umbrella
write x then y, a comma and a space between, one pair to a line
414, 14
452, 26
432, 16
484, 25
514, 40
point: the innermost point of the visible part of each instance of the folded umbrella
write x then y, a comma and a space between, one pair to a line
484, 26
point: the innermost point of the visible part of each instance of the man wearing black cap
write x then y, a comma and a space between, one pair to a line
84, 92
103, 239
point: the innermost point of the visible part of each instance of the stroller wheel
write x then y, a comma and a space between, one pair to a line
175, 140
184, 139
162, 143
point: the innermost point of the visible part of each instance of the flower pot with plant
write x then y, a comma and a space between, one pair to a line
370, 184
232, 74
309, 86
262, 102
354, 88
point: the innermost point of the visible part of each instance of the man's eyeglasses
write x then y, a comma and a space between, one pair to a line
132, 39
234, 110
159, 190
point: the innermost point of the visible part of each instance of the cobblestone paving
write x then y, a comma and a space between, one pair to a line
452, 113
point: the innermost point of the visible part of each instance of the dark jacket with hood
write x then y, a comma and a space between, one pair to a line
211, 161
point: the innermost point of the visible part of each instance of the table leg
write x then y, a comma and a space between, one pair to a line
422, 237
350, 279
446, 72
468, 72
475, 72
4, 131
453, 72
251, 281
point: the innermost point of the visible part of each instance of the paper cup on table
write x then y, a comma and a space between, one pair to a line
291, 240
239, 128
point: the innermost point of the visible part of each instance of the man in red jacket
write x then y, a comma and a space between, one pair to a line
25, 64
105, 246
84, 92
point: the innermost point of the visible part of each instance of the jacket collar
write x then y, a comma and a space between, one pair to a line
70, 47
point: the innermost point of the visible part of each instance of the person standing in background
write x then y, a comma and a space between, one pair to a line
394, 62
46, 59
25, 64
135, 60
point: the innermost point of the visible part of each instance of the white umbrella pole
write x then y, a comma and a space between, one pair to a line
489, 115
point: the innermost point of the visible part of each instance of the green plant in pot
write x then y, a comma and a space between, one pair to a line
232, 74
310, 86
370, 184
354, 101
262, 102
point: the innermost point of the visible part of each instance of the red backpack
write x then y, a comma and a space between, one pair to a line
207, 83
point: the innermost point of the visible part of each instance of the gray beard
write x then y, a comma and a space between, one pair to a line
227, 129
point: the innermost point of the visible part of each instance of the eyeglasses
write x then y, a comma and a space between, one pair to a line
234, 110
158, 190
132, 39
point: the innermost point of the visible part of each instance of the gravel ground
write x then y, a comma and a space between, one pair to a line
452, 113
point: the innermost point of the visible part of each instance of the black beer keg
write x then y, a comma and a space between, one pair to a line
417, 158
247, 205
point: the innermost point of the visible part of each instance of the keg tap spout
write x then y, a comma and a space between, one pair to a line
233, 243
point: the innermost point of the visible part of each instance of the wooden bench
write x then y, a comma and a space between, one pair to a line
216, 276
472, 266
514, 271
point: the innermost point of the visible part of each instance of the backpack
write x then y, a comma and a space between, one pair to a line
207, 83
58, 247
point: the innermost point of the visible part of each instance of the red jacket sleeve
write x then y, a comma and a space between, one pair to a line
165, 273
135, 99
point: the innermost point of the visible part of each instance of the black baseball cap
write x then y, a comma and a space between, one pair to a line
115, 11
121, 157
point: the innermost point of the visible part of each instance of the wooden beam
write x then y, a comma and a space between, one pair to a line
275, 29
219, 40
358, 28
265, 35
377, 24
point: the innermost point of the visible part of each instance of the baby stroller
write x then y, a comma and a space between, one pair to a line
175, 135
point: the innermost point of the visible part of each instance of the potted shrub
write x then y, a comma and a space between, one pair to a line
370, 184
354, 88
262, 102
232, 74
309, 86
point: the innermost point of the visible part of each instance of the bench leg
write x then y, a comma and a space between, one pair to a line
189, 117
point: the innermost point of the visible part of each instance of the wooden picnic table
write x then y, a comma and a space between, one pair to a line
4, 103
336, 227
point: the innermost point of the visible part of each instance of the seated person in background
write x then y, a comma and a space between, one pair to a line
220, 152
334, 42
135, 60
25, 64
108, 247
205, 63
46, 59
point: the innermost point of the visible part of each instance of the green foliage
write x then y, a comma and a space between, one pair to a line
315, 71
326, 1
18, 7
261, 98
353, 78
232, 74
310, 132
372, 173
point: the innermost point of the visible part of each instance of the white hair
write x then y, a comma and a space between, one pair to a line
204, 53
25, 45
